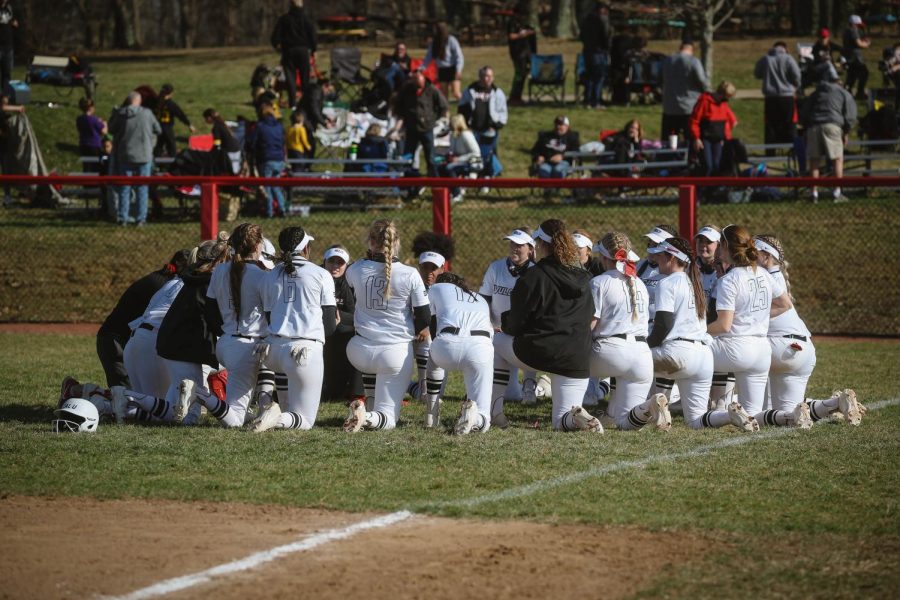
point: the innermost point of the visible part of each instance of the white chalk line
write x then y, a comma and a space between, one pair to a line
308, 543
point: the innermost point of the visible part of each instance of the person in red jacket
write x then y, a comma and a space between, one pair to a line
711, 124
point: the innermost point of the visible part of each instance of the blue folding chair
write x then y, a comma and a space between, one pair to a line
548, 78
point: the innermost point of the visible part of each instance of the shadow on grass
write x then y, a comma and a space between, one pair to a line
26, 413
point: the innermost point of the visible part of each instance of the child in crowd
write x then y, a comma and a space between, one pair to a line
91, 130
166, 112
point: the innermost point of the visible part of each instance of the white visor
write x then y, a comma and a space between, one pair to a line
582, 241
267, 254
763, 246
669, 249
340, 252
519, 237
303, 243
710, 234
433, 258
658, 235
540, 234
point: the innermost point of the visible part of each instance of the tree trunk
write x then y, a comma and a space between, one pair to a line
136, 23
123, 35
706, 44
561, 19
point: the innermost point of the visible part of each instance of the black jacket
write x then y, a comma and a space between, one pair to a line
294, 30
420, 111
550, 318
189, 330
346, 305
549, 143
133, 303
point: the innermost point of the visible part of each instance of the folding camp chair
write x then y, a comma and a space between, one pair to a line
346, 73
548, 78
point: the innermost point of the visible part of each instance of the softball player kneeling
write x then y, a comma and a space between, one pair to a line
619, 332
462, 342
391, 310
146, 370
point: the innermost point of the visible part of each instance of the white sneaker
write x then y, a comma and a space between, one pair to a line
357, 417
584, 421
484, 191
529, 395
269, 418
457, 199
660, 417
849, 407
119, 403
800, 416
432, 411
740, 418
499, 420
187, 395
468, 418
542, 390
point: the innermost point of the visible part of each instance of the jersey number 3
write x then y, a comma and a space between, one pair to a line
375, 288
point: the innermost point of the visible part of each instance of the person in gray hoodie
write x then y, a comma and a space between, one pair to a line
780, 75
683, 80
134, 130
828, 115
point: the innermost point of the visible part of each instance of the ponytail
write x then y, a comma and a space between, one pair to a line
244, 240
693, 272
740, 246
562, 245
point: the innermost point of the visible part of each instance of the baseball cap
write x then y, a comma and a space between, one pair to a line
658, 235
765, 247
267, 254
855, 20
433, 258
303, 243
709, 233
519, 237
339, 252
824, 32
582, 241
669, 249
561, 120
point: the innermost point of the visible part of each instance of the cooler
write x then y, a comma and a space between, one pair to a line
20, 92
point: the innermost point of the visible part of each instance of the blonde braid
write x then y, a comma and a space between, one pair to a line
388, 248
613, 242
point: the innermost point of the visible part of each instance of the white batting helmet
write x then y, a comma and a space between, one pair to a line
74, 416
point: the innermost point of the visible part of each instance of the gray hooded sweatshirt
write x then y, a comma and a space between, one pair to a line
134, 130
830, 103
779, 72
683, 80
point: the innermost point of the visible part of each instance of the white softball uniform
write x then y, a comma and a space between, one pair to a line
241, 333
463, 342
651, 277
744, 350
684, 356
793, 357
146, 370
296, 337
620, 346
498, 284
382, 346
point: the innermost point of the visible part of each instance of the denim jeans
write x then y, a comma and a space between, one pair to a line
549, 170
273, 168
488, 146
141, 191
597, 66
414, 137
712, 155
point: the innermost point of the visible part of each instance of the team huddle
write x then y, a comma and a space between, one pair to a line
259, 337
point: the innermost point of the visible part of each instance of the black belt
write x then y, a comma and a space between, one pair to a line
455, 331
687, 340
146, 326
792, 336
624, 336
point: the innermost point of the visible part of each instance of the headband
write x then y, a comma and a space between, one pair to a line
303, 243
765, 247
582, 241
669, 249
540, 234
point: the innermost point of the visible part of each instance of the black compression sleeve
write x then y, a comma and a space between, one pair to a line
433, 326
329, 319
663, 322
421, 317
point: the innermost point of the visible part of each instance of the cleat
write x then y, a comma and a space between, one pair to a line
468, 418
187, 395
660, 417
584, 421
67, 390
740, 418
269, 418
849, 407
543, 386
119, 403
357, 417
499, 420
529, 395
800, 416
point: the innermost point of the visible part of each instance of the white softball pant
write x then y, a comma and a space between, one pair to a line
178, 371
474, 356
236, 355
146, 370
303, 361
567, 391
392, 366
790, 371
690, 365
749, 358
631, 363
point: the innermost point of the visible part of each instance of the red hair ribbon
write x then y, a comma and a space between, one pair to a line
624, 265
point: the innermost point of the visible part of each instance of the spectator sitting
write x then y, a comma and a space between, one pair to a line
445, 50
711, 124
267, 144
465, 153
91, 130
166, 112
108, 199
628, 144
892, 72
548, 152
261, 81
483, 105
373, 146
394, 69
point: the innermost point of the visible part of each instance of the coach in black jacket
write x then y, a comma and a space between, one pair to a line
295, 37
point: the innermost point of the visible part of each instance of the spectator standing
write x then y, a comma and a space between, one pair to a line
134, 130
855, 41
522, 41
8, 25
683, 81
825, 48
91, 130
312, 104
892, 69
267, 144
166, 111
711, 124
780, 75
295, 37
298, 145
445, 51
224, 139
828, 116
419, 106
483, 105
548, 153
596, 40
394, 69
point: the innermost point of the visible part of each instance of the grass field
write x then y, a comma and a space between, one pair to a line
801, 513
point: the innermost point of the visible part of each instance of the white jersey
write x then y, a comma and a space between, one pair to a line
613, 308
651, 277
252, 320
159, 304
787, 323
455, 308
385, 319
675, 294
498, 284
295, 301
749, 294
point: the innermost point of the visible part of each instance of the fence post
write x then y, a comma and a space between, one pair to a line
440, 202
209, 211
687, 211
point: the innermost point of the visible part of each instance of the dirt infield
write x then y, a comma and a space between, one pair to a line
78, 547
